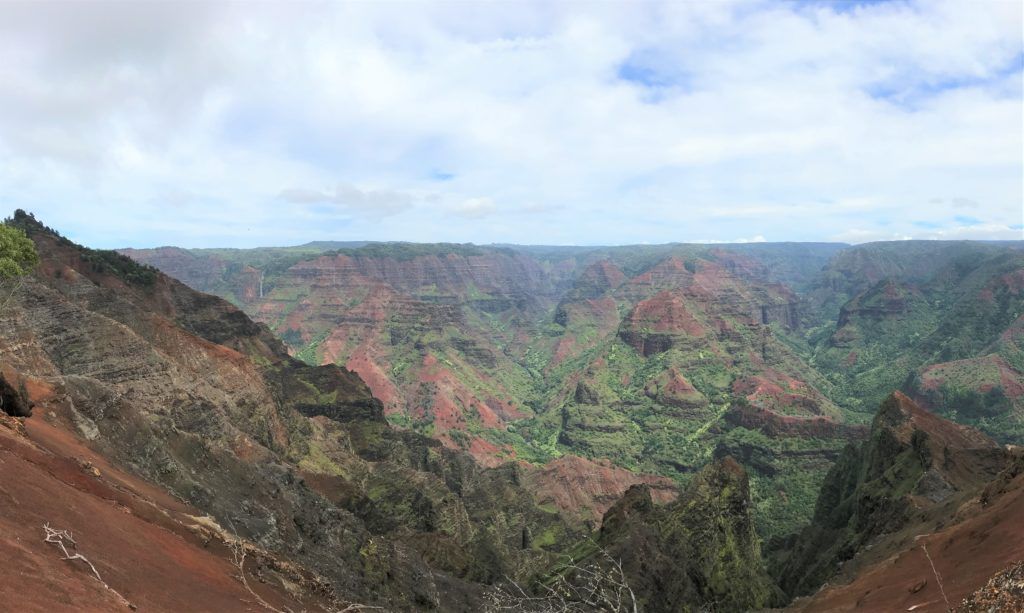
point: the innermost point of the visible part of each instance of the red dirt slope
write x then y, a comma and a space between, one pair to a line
987, 537
153, 550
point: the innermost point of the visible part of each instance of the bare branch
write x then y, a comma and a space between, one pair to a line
63, 538
935, 572
597, 585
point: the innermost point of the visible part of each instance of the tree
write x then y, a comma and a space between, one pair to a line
17, 253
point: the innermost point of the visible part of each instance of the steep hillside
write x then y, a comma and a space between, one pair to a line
700, 549
183, 390
915, 475
968, 560
149, 549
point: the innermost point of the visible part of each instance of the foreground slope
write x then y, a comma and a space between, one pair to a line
921, 491
154, 551
968, 560
185, 391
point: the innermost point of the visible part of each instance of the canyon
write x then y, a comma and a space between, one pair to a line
432, 427
655, 358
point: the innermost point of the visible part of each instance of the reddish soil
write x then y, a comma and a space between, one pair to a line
1012, 382
364, 363
585, 489
488, 454
775, 390
670, 272
665, 312
603, 274
673, 389
965, 556
773, 424
143, 542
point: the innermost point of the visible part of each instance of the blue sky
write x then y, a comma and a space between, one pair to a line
252, 124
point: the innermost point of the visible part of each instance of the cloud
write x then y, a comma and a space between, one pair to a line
964, 203
373, 204
624, 122
539, 208
754, 239
474, 208
977, 231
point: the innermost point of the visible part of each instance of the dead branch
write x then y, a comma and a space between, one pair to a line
938, 579
238, 553
63, 538
597, 585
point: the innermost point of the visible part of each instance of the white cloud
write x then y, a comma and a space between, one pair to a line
711, 241
607, 123
372, 204
474, 208
981, 231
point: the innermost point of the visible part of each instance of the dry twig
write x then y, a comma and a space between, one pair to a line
63, 538
938, 579
598, 585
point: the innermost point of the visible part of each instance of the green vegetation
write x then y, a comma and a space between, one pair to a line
128, 270
872, 318
23, 226
948, 310
17, 252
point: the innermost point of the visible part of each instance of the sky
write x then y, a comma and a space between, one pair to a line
251, 124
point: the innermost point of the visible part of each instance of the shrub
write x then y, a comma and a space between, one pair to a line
17, 252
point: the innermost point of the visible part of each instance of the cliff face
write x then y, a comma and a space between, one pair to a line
699, 551
914, 467
183, 390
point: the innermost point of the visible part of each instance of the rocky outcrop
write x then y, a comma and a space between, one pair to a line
660, 323
1003, 592
14, 399
912, 460
671, 388
585, 489
783, 396
775, 425
699, 551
